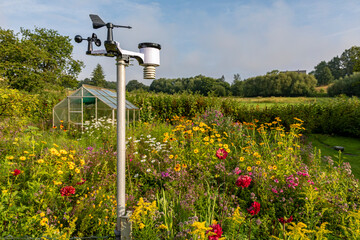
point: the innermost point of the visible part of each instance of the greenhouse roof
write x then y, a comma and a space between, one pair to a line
108, 96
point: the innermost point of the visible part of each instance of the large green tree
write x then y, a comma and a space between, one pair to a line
323, 74
37, 60
98, 76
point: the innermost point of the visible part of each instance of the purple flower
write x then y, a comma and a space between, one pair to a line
90, 148
164, 174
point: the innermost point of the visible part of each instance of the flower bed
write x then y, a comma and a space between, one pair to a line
205, 178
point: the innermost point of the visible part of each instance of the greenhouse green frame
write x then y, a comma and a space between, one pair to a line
91, 103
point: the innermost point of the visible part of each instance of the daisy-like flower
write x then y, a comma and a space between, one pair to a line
221, 153
177, 167
22, 158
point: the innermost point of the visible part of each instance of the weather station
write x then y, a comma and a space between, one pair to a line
148, 57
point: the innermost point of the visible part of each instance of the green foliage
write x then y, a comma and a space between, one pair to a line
275, 84
323, 74
135, 85
349, 85
199, 84
40, 59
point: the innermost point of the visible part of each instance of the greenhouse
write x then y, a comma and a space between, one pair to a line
90, 103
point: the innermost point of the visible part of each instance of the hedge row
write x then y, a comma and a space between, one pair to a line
340, 116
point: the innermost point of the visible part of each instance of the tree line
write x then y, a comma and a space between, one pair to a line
40, 59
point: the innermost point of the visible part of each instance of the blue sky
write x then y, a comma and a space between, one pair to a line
213, 38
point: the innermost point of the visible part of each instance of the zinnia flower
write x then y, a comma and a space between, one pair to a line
284, 220
243, 181
215, 232
16, 172
254, 208
221, 153
67, 191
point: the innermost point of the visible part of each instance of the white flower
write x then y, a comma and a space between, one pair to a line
136, 175
144, 156
135, 153
144, 160
148, 170
148, 136
152, 161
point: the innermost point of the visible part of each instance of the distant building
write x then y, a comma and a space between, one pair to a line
297, 71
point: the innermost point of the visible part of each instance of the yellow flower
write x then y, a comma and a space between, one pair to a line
195, 128
44, 221
162, 226
206, 139
274, 167
226, 146
176, 156
42, 214
72, 151
40, 161
258, 162
141, 226
184, 166
31, 155
177, 167
16, 139
77, 170
217, 135
82, 162
242, 159
211, 140
10, 157
63, 158
57, 183
64, 152
43, 142
26, 152
196, 150
55, 145
228, 150
22, 158
71, 156
264, 174
270, 167
220, 145
54, 151
280, 143
171, 156
279, 155
60, 172
249, 169
71, 167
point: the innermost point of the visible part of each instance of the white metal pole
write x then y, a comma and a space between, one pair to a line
121, 161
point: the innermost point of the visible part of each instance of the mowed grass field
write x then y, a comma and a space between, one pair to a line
351, 153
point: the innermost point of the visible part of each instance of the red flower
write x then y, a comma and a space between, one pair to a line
67, 191
16, 172
221, 153
243, 181
216, 228
82, 182
254, 208
284, 220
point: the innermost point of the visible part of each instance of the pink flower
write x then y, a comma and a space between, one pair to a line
82, 182
243, 181
274, 190
216, 228
221, 153
254, 208
67, 191
16, 172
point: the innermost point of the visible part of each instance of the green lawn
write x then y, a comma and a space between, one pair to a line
351, 145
